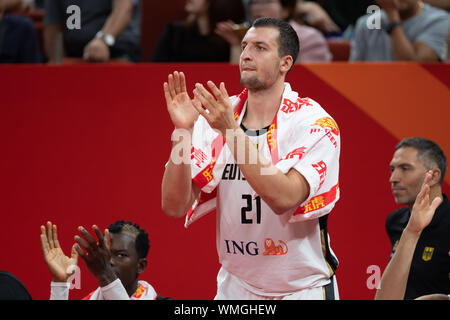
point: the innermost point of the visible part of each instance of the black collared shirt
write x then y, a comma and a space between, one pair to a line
430, 267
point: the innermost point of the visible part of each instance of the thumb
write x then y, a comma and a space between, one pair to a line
436, 203
108, 239
74, 254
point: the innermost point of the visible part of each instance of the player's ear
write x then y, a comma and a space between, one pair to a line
286, 63
142, 264
436, 176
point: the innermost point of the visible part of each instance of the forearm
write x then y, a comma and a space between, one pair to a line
280, 191
395, 277
119, 17
177, 188
53, 42
106, 277
402, 48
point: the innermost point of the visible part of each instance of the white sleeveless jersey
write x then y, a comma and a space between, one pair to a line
274, 255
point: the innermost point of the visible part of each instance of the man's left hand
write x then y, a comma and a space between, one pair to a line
97, 256
218, 109
96, 51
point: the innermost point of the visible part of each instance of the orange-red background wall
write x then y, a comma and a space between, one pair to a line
83, 145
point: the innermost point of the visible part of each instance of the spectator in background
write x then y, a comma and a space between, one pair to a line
110, 29
410, 31
194, 40
330, 16
18, 38
417, 160
313, 46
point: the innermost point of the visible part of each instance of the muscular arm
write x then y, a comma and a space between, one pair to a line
178, 190
119, 17
53, 42
405, 50
280, 191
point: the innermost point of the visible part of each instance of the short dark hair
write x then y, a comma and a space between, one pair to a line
427, 151
288, 39
142, 241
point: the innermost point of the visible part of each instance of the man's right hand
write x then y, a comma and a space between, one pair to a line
179, 104
61, 267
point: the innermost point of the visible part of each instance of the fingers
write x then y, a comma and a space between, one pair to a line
205, 97
177, 82
423, 196
101, 239
55, 237
224, 91
74, 253
80, 252
44, 241
167, 93
50, 235
183, 82
171, 86
87, 242
436, 203
108, 238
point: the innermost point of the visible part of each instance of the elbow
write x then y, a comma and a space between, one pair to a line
171, 211
280, 206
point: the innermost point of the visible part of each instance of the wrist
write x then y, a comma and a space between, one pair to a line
412, 232
106, 278
393, 15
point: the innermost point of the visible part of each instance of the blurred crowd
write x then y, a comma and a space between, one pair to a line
329, 30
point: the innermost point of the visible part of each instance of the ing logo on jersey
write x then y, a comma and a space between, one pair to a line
275, 250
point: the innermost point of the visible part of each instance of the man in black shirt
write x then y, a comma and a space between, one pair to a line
107, 29
430, 267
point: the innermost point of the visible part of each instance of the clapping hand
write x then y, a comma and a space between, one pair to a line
61, 267
423, 211
96, 254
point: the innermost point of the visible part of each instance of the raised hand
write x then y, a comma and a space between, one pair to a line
179, 104
61, 267
219, 111
422, 211
97, 255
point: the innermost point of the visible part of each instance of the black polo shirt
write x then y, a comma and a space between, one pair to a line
430, 266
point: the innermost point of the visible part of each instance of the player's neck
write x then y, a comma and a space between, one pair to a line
131, 289
262, 106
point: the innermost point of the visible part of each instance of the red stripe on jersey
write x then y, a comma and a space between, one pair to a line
319, 202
